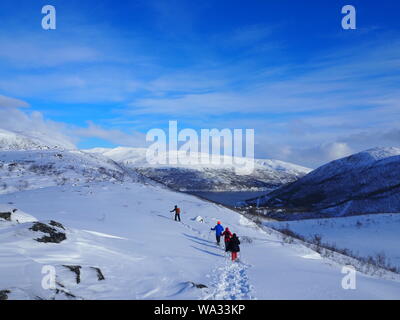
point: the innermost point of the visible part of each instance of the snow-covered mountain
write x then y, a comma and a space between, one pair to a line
366, 182
25, 170
34, 160
267, 174
10, 140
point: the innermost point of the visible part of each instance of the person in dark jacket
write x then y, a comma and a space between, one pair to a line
177, 213
227, 237
234, 246
218, 231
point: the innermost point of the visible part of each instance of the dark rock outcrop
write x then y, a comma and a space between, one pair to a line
54, 235
76, 270
4, 294
100, 275
198, 285
56, 224
5, 215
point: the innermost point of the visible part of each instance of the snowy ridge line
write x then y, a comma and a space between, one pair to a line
334, 256
197, 176
136, 157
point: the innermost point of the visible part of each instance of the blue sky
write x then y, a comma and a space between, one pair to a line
312, 91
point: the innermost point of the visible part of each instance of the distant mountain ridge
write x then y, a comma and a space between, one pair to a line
267, 174
366, 182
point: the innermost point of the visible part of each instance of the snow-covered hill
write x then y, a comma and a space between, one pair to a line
118, 241
24, 170
267, 174
10, 140
366, 182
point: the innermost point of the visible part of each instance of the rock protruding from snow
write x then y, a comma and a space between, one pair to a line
52, 232
76, 270
366, 182
9, 213
99, 273
4, 294
5, 215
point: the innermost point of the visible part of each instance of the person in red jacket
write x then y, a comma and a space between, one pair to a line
177, 213
227, 237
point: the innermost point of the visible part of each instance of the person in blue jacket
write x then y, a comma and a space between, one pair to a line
218, 231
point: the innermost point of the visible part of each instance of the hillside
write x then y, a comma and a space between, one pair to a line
118, 241
366, 182
25, 170
366, 236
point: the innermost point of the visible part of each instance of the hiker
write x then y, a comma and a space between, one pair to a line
227, 237
177, 213
218, 231
233, 246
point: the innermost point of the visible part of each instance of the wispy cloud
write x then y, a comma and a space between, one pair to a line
9, 102
330, 83
44, 54
34, 125
118, 137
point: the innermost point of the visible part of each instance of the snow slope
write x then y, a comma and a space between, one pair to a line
126, 231
196, 176
368, 235
366, 182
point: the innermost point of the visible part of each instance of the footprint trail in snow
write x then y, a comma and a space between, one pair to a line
231, 282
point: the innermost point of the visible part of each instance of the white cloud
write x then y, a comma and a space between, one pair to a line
312, 156
35, 126
353, 78
12, 102
336, 150
35, 52
118, 137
